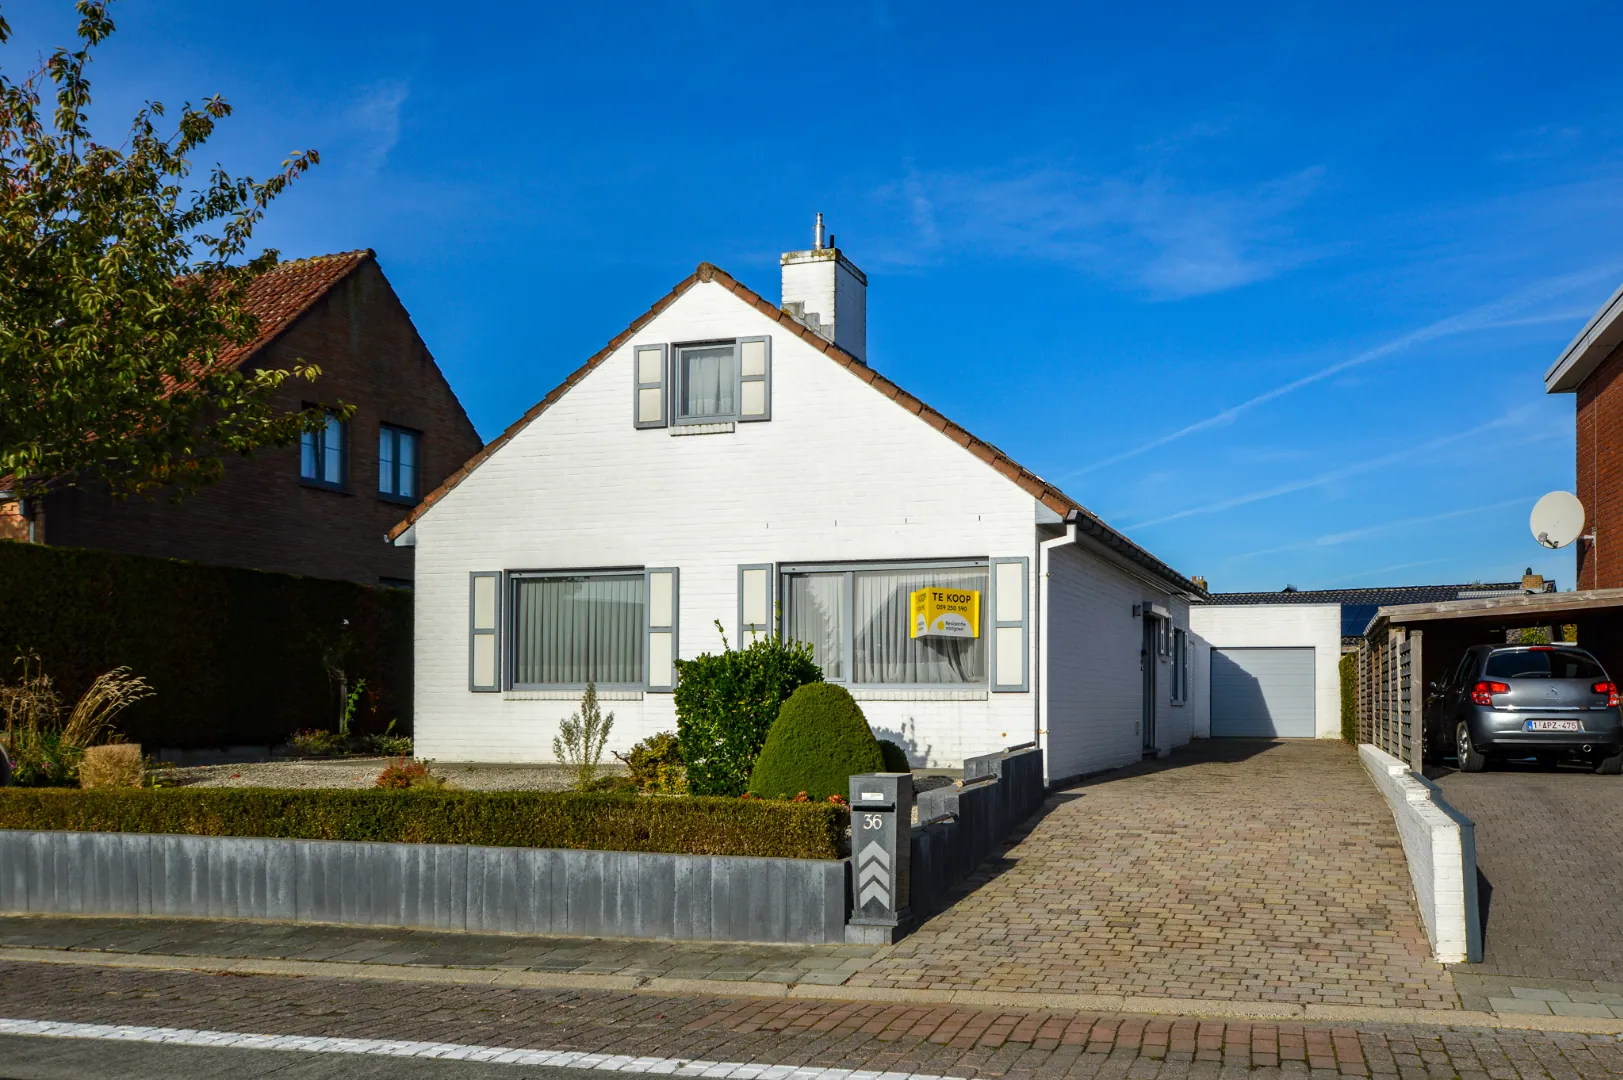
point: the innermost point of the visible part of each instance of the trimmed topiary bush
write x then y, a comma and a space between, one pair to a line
895, 757
726, 703
537, 819
820, 740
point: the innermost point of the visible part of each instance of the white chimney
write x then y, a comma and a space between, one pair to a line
823, 289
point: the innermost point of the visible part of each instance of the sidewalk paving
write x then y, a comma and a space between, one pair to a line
1021, 1043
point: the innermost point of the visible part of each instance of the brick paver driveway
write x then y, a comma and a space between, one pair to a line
1547, 845
1245, 870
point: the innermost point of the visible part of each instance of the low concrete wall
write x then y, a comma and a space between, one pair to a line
1440, 845
982, 814
431, 886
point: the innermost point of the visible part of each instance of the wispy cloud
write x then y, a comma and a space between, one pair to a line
1170, 241
1499, 314
1343, 473
1334, 539
1382, 571
374, 121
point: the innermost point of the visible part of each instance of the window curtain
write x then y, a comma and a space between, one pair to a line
884, 653
577, 630
386, 460
816, 616
407, 483
333, 451
708, 383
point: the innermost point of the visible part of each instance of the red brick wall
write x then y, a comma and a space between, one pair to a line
260, 515
1600, 475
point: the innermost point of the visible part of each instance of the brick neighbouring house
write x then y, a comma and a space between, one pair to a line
340, 313
1590, 368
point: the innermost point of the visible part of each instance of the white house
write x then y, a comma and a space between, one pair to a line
726, 459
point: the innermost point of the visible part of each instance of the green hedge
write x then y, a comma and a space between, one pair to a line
1349, 697
235, 655
540, 819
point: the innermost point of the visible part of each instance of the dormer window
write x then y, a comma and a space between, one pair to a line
703, 383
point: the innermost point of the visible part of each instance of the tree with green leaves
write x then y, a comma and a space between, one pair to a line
123, 306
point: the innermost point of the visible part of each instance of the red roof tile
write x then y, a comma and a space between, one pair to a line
279, 296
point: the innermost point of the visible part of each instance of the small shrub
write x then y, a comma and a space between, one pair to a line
580, 739
44, 748
317, 744
656, 765
387, 744
820, 741
895, 757
403, 774
726, 703
112, 765
1349, 698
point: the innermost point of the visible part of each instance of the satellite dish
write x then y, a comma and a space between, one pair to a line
1557, 519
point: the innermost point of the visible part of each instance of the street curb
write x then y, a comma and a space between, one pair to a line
1083, 1003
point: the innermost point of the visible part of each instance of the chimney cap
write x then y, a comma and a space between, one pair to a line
817, 233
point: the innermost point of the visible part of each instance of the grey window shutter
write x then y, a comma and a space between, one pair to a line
650, 390
754, 602
664, 606
754, 378
1008, 626
484, 631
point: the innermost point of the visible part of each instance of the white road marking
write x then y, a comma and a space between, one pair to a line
503, 1055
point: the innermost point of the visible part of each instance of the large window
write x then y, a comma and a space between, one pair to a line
397, 462
857, 622
323, 454
568, 631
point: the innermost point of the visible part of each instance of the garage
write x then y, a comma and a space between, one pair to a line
1263, 693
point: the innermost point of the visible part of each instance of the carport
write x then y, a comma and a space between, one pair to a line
1406, 647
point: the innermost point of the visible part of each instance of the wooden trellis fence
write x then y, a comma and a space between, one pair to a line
1391, 697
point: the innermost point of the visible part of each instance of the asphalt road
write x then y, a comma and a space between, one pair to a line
1551, 868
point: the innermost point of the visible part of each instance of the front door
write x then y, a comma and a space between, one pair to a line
1148, 655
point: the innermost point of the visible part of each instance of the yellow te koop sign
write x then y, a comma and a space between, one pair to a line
953, 613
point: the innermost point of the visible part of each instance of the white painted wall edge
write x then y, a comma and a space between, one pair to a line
1439, 844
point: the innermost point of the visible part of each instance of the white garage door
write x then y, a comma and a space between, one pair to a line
1262, 693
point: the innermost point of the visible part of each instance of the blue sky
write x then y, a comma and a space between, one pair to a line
1270, 289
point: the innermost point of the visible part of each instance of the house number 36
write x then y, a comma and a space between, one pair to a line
871, 821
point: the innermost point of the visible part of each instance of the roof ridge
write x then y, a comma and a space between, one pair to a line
1043, 491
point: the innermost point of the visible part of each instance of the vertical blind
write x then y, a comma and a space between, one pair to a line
816, 616
876, 628
575, 630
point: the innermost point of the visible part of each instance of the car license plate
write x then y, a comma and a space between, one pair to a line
1554, 725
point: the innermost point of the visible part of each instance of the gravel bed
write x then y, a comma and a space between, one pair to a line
363, 773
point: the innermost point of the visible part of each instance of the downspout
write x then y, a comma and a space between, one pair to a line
1045, 549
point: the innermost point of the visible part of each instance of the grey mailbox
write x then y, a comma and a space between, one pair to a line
881, 846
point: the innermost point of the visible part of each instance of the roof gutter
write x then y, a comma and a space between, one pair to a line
1594, 343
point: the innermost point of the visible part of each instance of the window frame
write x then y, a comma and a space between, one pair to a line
678, 384
749, 631
848, 602
1180, 666
321, 481
509, 636
397, 430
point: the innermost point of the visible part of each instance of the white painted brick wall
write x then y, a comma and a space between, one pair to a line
1095, 689
839, 473
1233, 626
